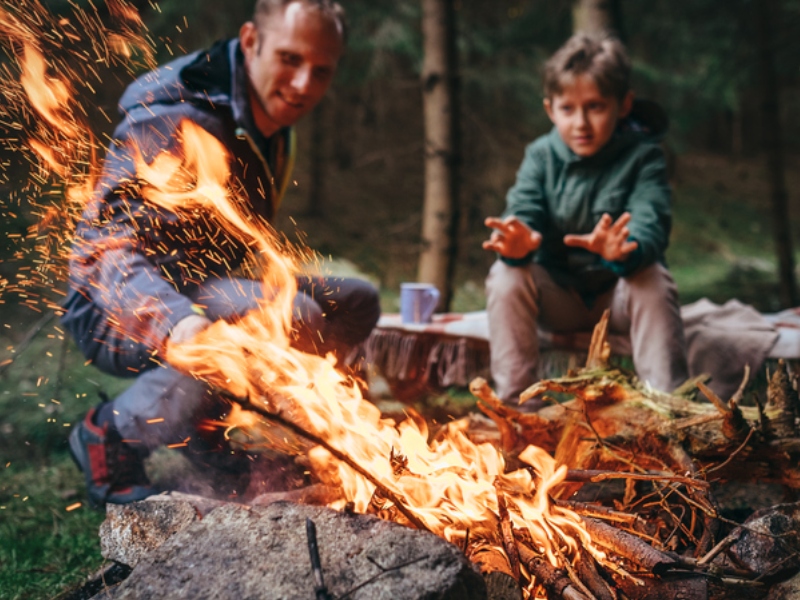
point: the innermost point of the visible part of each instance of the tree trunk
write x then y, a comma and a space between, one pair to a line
440, 106
597, 17
317, 160
773, 147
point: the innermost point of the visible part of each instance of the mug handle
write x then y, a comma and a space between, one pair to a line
431, 300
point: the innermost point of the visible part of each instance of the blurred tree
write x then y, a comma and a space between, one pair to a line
597, 16
440, 106
773, 148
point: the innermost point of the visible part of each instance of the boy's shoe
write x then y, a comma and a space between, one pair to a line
114, 471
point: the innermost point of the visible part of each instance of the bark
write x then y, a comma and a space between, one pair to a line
440, 106
773, 147
597, 17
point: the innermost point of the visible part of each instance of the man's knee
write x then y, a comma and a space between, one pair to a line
362, 308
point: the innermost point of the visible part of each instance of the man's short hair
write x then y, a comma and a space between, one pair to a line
265, 8
604, 59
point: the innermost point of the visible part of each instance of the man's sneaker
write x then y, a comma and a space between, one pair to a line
114, 471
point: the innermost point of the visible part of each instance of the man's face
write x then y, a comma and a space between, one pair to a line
584, 117
290, 63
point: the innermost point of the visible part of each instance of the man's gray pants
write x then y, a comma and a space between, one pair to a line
164, 407
645, 306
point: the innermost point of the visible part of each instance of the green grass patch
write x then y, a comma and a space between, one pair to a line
43, 546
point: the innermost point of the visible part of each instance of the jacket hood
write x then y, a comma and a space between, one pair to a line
203, 77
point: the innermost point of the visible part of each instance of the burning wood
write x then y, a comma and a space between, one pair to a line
662, 535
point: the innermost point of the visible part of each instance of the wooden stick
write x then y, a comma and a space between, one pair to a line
630, 547
320, 590
595, 476
278, 419
506, 530
557, 584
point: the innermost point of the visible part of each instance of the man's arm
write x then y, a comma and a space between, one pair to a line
111, 258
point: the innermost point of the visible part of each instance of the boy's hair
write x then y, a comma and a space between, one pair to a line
604, 59
265, 8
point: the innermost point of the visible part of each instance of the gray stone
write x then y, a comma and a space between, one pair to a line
787, 590
132, 531
262, 552
770, 543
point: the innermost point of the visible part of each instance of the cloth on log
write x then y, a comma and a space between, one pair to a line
454, 348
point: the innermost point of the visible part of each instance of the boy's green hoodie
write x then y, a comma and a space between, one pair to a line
558, 192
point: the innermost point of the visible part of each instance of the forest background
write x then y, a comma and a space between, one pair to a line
726, 71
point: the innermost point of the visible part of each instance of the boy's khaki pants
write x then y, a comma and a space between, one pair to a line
644, 305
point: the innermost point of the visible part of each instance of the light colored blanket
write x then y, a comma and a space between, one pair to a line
721, 340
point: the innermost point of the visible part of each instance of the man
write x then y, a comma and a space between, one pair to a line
142, 276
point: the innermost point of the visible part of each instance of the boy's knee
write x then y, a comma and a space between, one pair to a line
504, 280
654, 282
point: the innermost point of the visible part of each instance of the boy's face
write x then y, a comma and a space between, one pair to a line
584, 117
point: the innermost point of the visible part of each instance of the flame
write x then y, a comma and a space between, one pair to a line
449, 483
49, 96
53, 56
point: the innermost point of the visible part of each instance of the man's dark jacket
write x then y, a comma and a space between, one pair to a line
133, 263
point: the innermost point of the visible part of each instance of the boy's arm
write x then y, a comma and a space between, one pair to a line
651, 215
526, 198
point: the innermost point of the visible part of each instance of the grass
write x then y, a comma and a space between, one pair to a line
45, 544
721, 248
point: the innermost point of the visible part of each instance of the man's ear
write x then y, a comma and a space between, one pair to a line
548, 108
248, 40
626, 105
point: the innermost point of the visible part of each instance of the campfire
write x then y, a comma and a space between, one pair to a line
500, 487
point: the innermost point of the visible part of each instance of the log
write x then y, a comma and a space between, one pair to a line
630, 547
555, 581
493, 565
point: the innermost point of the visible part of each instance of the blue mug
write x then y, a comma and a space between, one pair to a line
417, 302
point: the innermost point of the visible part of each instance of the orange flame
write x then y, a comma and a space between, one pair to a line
448, 483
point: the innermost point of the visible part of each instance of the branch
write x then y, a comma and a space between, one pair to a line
339, 455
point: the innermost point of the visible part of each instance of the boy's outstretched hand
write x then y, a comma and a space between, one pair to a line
609, 240
511, 237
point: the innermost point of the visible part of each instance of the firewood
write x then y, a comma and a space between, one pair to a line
501, 584
587, 571
506, 531
782, 397
555, 581
632, 548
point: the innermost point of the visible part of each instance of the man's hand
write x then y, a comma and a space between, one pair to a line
187, 328
608, 240
511, 237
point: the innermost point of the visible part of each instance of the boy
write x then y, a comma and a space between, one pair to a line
586, 226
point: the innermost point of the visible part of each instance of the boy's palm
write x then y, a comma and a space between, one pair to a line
609, 240
511, 237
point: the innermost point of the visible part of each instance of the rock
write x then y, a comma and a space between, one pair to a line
788, 590
132, 531
237, 552
769, 544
